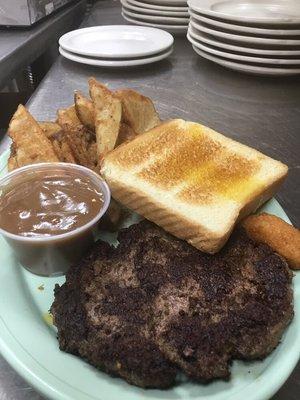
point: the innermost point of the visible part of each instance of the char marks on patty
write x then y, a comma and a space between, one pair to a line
155, 304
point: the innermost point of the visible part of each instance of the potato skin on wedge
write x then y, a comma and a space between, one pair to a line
30, 144
108, 113
80, 140
85, 110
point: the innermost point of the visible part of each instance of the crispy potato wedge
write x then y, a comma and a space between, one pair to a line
113, 217
49, 128
114, 212
276, 233
67, 117
126, 133
85, 110
59, 141
12, 161
138, 111
30, 145
108, 112
80, 140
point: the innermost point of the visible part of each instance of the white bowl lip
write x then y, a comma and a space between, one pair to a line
68, 235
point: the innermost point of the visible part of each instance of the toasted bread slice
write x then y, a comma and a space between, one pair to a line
192, 181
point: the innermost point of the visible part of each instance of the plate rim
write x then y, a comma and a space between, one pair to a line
169, 28
203, 6
159, 7
156, 18
242, 58
150, 11
170, 3
244, 38
115, 63
242, 28
166, 36
234, 65
249, 50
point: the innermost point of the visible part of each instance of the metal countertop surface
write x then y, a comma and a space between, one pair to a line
259, 111
20, 46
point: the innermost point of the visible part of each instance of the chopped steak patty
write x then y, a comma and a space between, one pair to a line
155, 305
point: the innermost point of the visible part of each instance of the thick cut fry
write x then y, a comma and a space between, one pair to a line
280, 236
112, 217
108, 111
59, 141
126, 133
93, 156
12, 161
85, 110
29, 142
138, 111
67, 117
79, 138
49, 128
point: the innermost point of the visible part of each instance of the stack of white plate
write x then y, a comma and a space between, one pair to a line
171, 15
116, 45
254, 36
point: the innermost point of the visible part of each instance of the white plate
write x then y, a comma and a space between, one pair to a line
169, 2
242, 38
238, 57
156, 18
159, 7
149, 11
250, 69
169, 28
202, 37
114, 63
116, 41
242, 28
254, 11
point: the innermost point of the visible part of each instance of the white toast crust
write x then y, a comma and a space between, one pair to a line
192, 181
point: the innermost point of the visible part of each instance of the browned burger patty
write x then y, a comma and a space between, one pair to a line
155, 304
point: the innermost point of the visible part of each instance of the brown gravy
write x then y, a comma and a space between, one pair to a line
49, 206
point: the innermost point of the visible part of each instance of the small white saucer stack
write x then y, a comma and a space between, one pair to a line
254, 36
171, 15
116, 45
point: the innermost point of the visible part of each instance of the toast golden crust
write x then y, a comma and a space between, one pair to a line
165, 217
192, 181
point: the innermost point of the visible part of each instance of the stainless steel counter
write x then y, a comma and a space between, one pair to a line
21, 46
261, 112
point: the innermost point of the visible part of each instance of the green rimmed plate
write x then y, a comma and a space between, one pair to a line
28, 342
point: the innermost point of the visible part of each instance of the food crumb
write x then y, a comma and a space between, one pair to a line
48, 318
41, 287
119, 365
